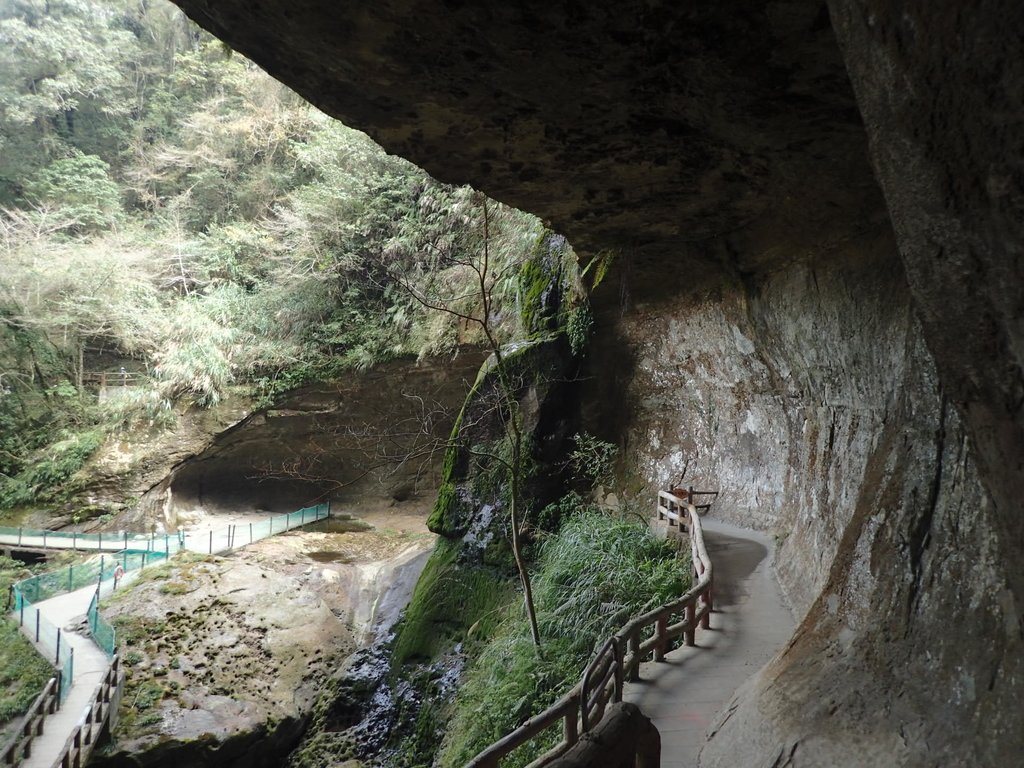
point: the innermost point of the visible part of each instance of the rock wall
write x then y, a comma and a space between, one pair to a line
774, 394
366, 437
865, 402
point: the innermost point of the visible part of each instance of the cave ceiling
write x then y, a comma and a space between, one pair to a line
638, 126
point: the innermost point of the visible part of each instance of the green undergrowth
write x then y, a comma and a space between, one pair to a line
591, 577
452, 602
51, 469
23, 672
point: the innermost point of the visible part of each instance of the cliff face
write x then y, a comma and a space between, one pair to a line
817, 301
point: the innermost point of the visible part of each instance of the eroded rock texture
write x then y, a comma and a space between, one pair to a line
836, 341
370, 436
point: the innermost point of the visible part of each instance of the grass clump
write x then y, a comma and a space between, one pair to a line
595, 574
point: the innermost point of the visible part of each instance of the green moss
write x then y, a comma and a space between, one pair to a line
440, 519
452, 601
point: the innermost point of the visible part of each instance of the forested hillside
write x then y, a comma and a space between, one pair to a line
169, 209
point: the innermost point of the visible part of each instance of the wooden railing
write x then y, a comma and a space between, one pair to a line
104, 379
618, 660
101, 712
19, 747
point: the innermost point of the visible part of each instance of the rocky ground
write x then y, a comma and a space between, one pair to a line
225, 656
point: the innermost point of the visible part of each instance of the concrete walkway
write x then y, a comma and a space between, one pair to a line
90, 667
751, 623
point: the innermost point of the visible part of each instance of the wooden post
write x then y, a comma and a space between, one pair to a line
211, 541
690, 628
633, 643
570, 725
661, 633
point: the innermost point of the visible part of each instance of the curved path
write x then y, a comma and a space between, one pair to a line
67, 611
751, 623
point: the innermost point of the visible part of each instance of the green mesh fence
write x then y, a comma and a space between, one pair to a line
102, 570
112, 541
220, 540
53, 583
103, 634
234, 536
67, 676
49, 640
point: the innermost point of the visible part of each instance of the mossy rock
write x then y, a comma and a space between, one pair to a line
452, 600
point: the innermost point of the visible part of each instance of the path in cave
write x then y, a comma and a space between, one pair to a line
751, 623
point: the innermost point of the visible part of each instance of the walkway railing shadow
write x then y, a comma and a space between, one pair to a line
650, 635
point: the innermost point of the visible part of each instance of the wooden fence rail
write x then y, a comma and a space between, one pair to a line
618, 660
105, 379
19, 747
99, 714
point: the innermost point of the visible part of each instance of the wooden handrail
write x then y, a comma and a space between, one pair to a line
19, 746
101, 712
113, 378
619, 658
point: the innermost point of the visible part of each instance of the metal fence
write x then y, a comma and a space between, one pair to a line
50, 639
235, 536
215, 540
111, 541
50, 642
106, 569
